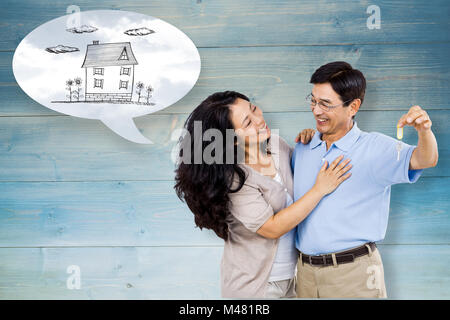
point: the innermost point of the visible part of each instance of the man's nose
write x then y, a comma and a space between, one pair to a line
316, 110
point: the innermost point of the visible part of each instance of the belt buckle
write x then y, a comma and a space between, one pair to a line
324, 259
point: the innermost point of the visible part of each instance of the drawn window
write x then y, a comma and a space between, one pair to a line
123, 55
98, 83
125, 71
98, 71
123, 84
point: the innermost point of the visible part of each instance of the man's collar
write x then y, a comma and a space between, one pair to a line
344, 143
315, 141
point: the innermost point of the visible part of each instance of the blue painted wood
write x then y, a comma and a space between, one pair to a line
417, 272
256, 22
419, 212
398, 76
411, 272
148, 213
111, 273
89, 197
113, 213
73, 149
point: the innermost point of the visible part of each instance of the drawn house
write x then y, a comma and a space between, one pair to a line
109, 72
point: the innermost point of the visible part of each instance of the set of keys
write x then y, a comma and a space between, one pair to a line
399, 144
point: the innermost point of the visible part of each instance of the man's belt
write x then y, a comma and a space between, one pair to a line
341, 257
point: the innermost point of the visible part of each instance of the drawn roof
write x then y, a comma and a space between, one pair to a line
108, 54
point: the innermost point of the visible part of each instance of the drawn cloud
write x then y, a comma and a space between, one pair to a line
61, 49
82, 29
139, 32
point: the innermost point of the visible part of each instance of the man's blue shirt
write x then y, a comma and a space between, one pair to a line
357, 211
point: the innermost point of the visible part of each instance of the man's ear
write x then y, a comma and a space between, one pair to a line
354, 106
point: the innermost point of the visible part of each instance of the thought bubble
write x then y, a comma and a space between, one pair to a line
113, 77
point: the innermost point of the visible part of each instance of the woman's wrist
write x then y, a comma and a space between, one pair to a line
317, 191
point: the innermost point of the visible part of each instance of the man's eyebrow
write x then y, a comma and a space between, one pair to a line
246, 117
324, 100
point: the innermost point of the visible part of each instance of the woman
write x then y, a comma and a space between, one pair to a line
244, 194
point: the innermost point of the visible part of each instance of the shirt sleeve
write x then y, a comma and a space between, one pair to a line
250, 208
387, 167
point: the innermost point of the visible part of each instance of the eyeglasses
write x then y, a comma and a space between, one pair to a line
324, 106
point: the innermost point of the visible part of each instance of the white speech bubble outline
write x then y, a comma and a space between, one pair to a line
126, 127
178, 81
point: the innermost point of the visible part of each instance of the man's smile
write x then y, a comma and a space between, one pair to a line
322, 121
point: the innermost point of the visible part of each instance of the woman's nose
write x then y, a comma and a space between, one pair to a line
260, 121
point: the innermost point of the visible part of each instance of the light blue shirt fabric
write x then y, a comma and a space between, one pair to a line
357, 211
285, 262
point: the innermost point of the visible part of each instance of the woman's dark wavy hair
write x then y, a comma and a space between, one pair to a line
205, 187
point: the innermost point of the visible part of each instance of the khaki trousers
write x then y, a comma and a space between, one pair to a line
362, 278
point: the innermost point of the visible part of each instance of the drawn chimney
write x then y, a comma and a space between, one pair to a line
95, 42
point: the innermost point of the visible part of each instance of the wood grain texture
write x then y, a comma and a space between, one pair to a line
256, 22
148, 213
111, 273
72, 192
398, 76
185, 273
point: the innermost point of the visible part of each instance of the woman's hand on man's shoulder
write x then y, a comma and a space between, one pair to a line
305, 136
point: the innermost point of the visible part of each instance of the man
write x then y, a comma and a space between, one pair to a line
338, 257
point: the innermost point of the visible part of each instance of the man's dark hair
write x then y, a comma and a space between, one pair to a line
347, 82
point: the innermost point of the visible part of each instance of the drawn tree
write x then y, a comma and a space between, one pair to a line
78, 82
149, 90
139, 88
69, 84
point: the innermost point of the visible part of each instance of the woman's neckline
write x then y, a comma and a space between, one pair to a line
277, 169
259, 173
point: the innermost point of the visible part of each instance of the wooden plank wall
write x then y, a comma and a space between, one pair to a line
74, 193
